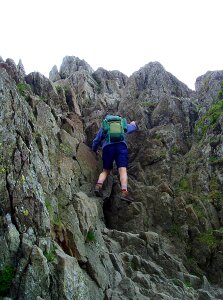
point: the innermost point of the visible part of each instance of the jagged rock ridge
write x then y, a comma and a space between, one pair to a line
60, 242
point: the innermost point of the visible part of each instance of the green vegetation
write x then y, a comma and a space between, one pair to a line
192, 266
214, 160
177, 282
25, 212
59, 89
208, 239
184, 185
23, 88
22, 179
57, 221
158, 136
162, 154
199, 211
220, 93
66, 88
6, 150
215, 193
211, 118
49, 207
2, 170
99, 87
51, 255
175, 150
149, 104
66, 149
42, 98
90, 236
180, 283
188, 284
175, 230
214, 184
215, 140
6, 277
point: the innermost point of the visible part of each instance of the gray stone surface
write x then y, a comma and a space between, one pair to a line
63, 243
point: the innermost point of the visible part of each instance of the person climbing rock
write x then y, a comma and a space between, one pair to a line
112, 137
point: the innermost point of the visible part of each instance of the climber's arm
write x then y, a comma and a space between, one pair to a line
132, 127
97, 140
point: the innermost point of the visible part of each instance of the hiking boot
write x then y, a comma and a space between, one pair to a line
98, 190
124, 193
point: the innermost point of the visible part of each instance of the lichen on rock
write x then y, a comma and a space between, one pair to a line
58, 240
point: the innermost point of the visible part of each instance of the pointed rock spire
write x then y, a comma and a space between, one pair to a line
54, 74
21, 69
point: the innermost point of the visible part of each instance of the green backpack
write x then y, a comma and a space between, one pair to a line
115, 128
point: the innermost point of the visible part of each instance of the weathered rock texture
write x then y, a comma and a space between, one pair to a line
57, 241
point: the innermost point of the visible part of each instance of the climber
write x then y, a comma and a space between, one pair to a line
114, 148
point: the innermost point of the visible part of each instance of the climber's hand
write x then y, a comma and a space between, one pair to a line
96, 153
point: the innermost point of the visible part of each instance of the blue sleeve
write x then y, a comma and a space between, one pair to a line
131, 128
97, 140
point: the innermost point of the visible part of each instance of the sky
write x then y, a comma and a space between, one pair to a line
185, 36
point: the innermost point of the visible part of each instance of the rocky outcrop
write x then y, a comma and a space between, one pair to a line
110, 81
71, 64
95, 92
207, 88
11, 68
54, 74
147, 88
60, 242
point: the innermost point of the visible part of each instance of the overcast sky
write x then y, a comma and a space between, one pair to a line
185, 36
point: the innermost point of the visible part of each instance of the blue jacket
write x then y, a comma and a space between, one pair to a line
101, 137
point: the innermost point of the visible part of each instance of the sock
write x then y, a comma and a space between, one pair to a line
99, 183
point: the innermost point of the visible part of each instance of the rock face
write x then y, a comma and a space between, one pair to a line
208, 86
60, 242
72, 64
